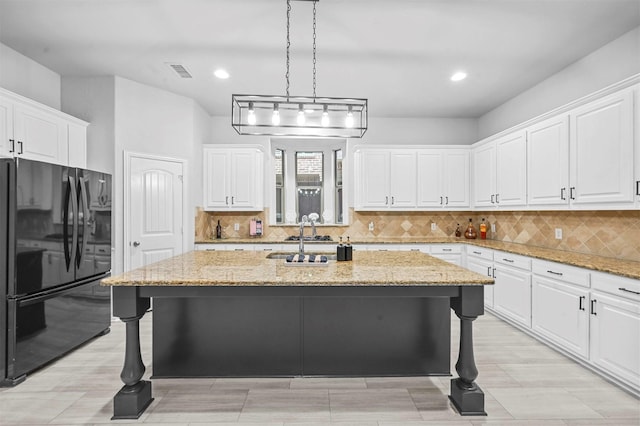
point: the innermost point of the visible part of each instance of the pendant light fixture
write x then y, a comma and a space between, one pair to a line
287, 115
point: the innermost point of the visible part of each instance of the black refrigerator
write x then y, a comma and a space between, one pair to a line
55, 247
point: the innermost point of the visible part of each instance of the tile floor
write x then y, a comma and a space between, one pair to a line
525, 383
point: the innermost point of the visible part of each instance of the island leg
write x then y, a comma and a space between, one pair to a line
135, 396
466, 395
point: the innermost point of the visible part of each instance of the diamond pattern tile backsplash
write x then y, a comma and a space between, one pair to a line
604, 233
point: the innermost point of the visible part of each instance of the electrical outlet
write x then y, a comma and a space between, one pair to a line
493, 227
236, 226
433, 226
558, 233
370, 226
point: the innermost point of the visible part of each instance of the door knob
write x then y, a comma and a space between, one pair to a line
136, 243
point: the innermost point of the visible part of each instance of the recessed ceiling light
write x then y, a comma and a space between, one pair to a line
222, 74
460, 75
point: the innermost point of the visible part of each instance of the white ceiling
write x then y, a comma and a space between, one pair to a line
397, 53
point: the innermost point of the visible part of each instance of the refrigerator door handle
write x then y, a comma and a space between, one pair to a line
74, 235
65, 224
85, 221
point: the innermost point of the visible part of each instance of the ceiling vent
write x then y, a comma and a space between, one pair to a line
180, 70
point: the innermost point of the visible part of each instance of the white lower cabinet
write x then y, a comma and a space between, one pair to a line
559, 314
482, 263
512, 288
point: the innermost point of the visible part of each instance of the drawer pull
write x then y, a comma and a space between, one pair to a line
238, 249
580, 305
629, 291
593, 307
211, 249
383, 250
415, 249
477, 252
446, 249
554, 273
508, 260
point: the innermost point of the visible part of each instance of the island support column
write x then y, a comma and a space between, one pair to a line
466, 395
135, 396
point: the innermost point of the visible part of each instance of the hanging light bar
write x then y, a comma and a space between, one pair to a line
285, 115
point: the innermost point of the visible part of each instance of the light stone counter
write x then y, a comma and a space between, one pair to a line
626, 268
226, 268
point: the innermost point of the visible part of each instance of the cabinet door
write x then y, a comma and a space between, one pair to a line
511, 172
403, 179
456, 178
559, 313
216, 179
483, 267
77, 141
601, 145
637, 144
430, 178
484, 176
615, 337
243, 180
374, 179
548, 162
512, 294
40, 136
6, 128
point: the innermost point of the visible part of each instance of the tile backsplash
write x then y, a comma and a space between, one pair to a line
605, 233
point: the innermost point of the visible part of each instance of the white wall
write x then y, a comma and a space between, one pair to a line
93, 100
611, 63
28, 78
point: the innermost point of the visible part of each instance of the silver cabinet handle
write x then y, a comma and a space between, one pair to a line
386, 200
136, 243
21, 147
628, 291
415, 249
441, 200
13, 145
580, 305
492, 196
446, 249
638, 187
232, 200
593, 307
494, 272
447, 198
497, 199
555, 273
477, 252
488, 271
226, 200
508, 260
571, 190
393, 200
562, 197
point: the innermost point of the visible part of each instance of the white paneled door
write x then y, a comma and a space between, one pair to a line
155, 210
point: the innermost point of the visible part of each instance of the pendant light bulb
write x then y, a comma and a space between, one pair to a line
325, 116
251, 115
348, 122
275, 118
301, 117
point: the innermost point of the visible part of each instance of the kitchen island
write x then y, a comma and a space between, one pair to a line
246, 314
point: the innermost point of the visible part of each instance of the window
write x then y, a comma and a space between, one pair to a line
308, 179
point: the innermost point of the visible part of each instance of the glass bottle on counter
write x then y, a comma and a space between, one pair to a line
348, 250
483, 230
470, 233
458, 232
218, 230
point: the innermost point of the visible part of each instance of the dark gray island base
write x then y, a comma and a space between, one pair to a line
299, 330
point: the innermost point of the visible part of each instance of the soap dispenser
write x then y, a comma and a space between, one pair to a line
470, 233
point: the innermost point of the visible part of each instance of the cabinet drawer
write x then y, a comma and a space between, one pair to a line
558, 271
479, 252
446, 249
512, 260
613, 284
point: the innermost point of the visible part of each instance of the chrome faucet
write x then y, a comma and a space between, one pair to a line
303, 220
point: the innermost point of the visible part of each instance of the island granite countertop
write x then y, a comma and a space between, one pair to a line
625, 268
227, 268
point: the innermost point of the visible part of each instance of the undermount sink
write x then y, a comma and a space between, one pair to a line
309, 238
283, 255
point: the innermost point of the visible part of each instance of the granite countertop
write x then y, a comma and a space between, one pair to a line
626, 268
227, 268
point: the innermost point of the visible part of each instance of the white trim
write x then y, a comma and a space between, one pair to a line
128, 155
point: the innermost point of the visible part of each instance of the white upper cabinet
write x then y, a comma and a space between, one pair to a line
500, 172
484, 176
7, 143
233, 179
443, 178
37, 132
601, 145
386, 179
548, 162
511, 170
